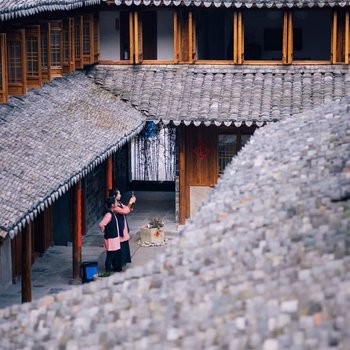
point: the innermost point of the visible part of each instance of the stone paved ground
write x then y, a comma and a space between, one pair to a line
53, 272
265, 264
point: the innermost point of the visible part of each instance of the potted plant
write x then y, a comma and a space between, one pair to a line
153, 232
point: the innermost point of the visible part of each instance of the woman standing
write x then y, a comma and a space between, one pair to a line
109, 226
121, 211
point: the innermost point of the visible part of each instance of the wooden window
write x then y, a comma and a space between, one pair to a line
97, 38
33, 56
312, 35
138, 46
45, 39
227, 148
184, 37
56, 48
340, 36
68, 45
214, 35
3, 69
79, 42
88, 39
16, 64
263, 35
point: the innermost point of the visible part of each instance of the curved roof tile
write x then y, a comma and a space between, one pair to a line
223, 94
52, 137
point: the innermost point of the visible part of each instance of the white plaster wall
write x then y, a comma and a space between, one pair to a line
110, 37
165, 35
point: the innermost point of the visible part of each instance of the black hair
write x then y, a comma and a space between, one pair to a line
109, 202
114, 192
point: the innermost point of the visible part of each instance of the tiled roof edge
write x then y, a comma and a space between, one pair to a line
235, 4
32, 8
57, 192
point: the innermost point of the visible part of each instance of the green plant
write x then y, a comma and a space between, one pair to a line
156, 223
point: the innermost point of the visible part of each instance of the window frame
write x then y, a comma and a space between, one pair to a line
18, 87
68, 65
56, 26
34, 80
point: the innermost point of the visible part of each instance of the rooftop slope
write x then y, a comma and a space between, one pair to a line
224, 94
10, 9
265, 263
52, 137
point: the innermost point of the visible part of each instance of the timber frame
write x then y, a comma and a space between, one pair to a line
33, 45
185, 40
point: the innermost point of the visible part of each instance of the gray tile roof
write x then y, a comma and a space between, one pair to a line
10, 9
236, 3
224, 94
265, 264
52, 137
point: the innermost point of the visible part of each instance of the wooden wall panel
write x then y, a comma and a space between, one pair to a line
16, 62
79, 42
45, 39
56, 33
201, 169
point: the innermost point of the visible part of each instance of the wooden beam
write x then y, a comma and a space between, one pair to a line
77, 234
347, 37
27, 263
290, 38
131, 38
191, 43
3, 66
285, 38
136, 37
334, 37
182, 174
176, 38
235, 37
240, 36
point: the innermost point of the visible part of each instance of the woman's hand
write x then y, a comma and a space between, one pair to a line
132, 200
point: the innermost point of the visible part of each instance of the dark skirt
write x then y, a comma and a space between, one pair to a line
125, 253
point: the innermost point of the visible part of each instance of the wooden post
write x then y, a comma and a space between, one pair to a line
190, 37
235, 37
334, 37
182, 175
285, 38
240, 44
131, 38
77, 234
109, 176
176, 38
290, 38
347, 37
27, 263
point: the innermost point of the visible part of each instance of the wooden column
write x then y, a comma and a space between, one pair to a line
176, 38
334, 37
346, 37
290, 38
240, 38
182, 175
77, 233
109, 176
27, 263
